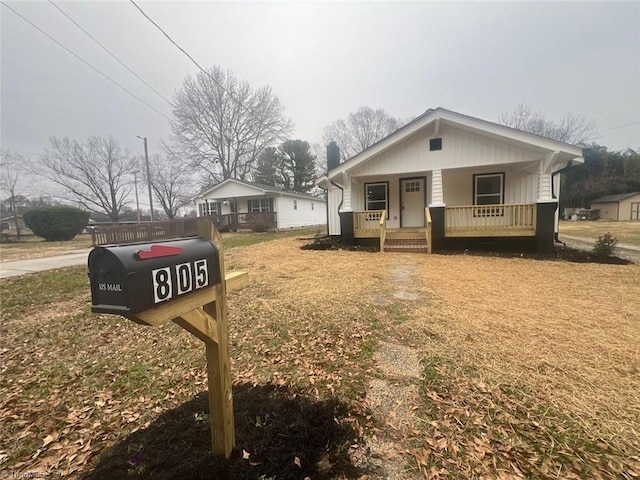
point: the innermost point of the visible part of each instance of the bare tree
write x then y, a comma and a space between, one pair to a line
221, 125
10, 170
95, 173
171, 182
571, 128
361, 130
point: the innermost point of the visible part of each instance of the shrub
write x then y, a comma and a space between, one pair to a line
56, 223
258, 223
605, 245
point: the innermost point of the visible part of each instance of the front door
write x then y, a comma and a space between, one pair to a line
412, 202
635, 211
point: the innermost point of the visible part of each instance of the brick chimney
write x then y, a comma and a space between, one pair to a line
333, 156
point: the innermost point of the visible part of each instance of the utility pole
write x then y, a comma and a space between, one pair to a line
135, 182
146, 158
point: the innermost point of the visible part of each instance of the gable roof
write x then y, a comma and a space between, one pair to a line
458, 119
614, 198
260, 187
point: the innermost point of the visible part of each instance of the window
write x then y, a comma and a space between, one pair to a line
312, 206
488, 189
209, 208
412, 186
435, 144
260, 205
295, 204
376, 196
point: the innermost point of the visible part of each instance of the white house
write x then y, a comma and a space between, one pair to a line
237, 204
447, 178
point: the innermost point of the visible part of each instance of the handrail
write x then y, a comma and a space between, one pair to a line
427, 224
383, 229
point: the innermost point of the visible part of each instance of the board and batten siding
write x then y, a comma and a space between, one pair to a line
303, 215
520, 187
460, 148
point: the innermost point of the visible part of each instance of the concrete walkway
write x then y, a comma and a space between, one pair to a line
22, 267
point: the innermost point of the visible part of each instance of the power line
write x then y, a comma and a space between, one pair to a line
191, 58
110, 53
621, 126
84, 61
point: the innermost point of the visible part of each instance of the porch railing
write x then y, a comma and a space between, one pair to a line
383, 229
427, 227
367, 224
143, 232
259, 221
474, 220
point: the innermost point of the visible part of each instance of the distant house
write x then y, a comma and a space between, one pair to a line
624, 206
8, 226
447, 179
237, 204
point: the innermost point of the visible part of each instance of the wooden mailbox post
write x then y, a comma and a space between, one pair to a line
191, 293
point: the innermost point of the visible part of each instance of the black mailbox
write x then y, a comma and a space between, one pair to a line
129, 279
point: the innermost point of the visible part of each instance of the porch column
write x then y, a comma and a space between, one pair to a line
346, 212
437, 193
437, 210
346, 198
546, 206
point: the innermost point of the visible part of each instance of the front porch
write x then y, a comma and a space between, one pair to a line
463, 221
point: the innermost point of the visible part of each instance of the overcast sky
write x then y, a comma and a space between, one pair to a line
323, 60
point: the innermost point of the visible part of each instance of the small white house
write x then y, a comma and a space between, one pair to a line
237, 204
445, 179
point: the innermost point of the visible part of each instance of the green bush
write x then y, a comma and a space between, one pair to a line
56, 223
605, 245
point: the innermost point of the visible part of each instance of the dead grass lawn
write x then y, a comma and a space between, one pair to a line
531, 369
625, 232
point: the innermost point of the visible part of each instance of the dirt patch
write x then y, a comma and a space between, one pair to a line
560, 254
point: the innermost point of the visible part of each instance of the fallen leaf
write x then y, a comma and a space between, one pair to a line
245, 454
297, 462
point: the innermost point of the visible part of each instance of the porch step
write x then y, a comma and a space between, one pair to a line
406, 244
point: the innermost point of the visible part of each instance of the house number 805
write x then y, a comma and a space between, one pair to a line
189, 276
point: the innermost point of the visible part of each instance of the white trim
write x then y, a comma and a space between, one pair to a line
437, 190
442, 115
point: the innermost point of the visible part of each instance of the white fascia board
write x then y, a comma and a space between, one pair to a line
503, 131
382, 145
457, 119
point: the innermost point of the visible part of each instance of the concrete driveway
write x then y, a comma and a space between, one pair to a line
22, 267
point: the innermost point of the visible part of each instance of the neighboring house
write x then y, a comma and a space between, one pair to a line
8, 226
237, 204
624, 206
449, 178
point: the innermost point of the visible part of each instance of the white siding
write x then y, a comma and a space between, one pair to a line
520, 186
290, 217
460, 148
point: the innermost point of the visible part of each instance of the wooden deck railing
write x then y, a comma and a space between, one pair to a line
427, 227
240, 221
383, 229
492, 220
144, 232
367, 224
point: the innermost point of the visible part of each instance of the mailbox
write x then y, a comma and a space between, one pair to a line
128, 279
